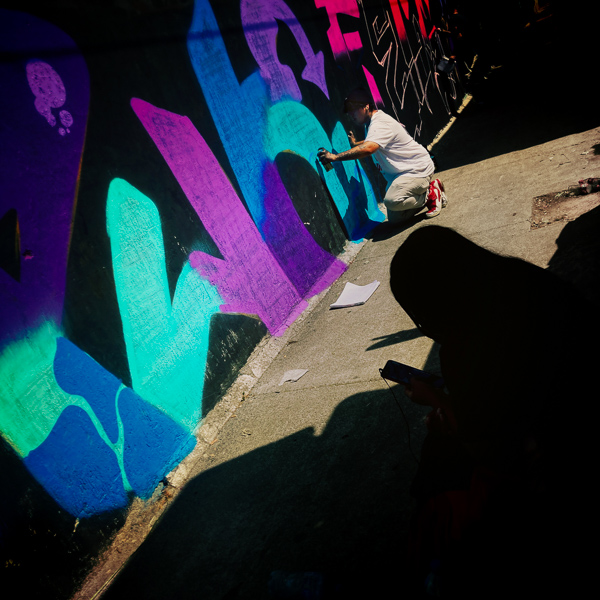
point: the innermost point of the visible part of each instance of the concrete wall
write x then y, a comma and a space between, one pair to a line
161, 211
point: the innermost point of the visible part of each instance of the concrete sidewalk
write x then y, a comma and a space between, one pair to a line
315, 474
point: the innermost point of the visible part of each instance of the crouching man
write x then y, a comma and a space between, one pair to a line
405, 164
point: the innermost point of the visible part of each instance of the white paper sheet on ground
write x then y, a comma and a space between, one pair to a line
292, 375
354, 295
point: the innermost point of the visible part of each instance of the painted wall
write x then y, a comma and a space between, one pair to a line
162, 210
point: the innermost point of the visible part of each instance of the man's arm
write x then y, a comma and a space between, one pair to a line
362, 150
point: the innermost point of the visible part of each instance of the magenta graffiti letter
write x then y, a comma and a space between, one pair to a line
248, 278
341, 43
373, 87
399, 6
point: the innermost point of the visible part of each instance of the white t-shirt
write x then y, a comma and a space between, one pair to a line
399, 154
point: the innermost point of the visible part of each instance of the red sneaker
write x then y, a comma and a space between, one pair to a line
436, 199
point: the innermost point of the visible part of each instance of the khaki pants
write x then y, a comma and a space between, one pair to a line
405, 197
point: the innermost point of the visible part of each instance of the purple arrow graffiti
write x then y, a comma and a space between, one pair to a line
259, 20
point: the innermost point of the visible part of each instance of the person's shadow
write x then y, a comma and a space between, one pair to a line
337, 504
386, 230
577, 258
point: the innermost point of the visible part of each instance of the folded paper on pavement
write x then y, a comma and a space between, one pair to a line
354, 295
292, 375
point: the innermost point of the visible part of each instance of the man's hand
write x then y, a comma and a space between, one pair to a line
325, 157
352, 139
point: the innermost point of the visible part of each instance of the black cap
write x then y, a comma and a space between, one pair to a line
357, 97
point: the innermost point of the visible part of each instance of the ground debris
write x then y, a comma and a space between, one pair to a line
565, 205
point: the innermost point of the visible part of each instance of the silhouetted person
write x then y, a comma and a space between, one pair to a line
504, 481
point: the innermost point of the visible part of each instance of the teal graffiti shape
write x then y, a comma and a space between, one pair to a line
167, 342
105, 446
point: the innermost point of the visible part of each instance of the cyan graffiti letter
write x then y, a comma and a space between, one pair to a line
292, 127
167, 342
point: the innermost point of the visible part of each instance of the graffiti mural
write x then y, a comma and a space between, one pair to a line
259, 19
74, 424
403, 49
151, 187
241, 129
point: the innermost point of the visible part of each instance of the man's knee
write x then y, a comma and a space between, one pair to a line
406, 194
397, 204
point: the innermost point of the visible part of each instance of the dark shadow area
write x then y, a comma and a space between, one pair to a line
232, 339
44, 551
539, 89
117, 146
503, 503
337, 504
10, 244
387, 230
312, 201
395, 338
577, 258
356, 215
500, 502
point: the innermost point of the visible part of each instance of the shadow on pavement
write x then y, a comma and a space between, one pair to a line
577, 258
386, 230
336, 503
395, 338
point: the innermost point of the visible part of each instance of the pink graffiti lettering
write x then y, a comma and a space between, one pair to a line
341, 43
423, 14
401, 6
248, 278
259, 19
373, 87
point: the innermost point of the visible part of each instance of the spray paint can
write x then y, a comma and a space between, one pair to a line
328, 166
